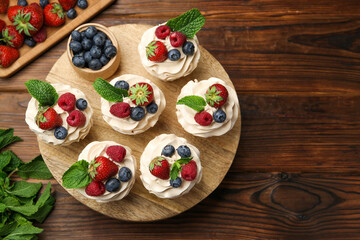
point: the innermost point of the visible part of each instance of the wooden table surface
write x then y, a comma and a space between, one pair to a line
296, 68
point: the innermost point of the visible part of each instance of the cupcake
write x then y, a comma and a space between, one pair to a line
57, 113
171, 50
170, 166
130, 104
207, 108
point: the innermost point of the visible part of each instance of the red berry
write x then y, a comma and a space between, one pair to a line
105, 170
67, 102
2, 24
121, 109
177, 39
141, 94
48, 119
203, 118
76, 119
159, 167
189, 171
41, 35
216, 95
116, 153
12, 37
67, 4
13, 10
8, 56
162, 31
95, 189
54, 15
156, 51
29, 20
4, 6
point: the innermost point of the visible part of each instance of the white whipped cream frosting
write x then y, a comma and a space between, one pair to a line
75, 134
127, 125
160, 187
95, 149
168, 70
186, 115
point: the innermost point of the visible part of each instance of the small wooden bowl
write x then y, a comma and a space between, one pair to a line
106, 71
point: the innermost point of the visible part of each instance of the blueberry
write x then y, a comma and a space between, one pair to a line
137, 113
168, 151
174, 55
83, 35
108, 42
86, 43
122, 84
75, 46
110, 51
176, 183
183, 151
78, 61
95, 52
125, 174
95, 64
188, 48
112, 185
76, 36
104, 60
90, 32
80, 54
99, 39
82, 4
152, 107
219, 116
43, 3
87, 56
71, 13
81, 104
29, 41
60, 133
22, 3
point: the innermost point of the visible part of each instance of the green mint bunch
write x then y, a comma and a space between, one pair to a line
42, 91
108, 91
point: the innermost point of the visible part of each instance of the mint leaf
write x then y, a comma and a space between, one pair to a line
36, 168
8, 228
108, 91
26, 210
2, 207
24, 189
188, 23
176, 167
192, 101
14, 161
44, 196
24, 229
77, 175
4, 160
43, 211
10, 201
7, 137
185, 160
42, 91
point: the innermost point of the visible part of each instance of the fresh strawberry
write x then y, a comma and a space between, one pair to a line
54, 15
121, 109
95, 189
116, 152
102, 169
67, 4
162, 31
2, 25
159, 167
216, 95
38, 7
29, 20
47, 118
8, 56
4, 6
12, 37
76, 119
41, 35
156, 51
203, 118
13, 10
141, 94
67, 101
189, 171
177, 39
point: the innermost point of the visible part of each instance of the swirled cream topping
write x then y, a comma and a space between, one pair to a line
95, 149
186, 114
168, 70
75, 134
160, 187
127, 125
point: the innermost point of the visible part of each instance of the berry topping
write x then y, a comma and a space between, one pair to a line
141, 94
176, 183
60, 133
203, 118
71, 13
174, 55
156, 51
112, 185
216, 95
162, 31
110, 51
76, 119
219, 116
95, 189
177, 39
67, 102
137, 113
188, 48
122, 84
184, 151
189, 171
82, 4
47, 118
90, 32
152, 107
168, 151
81, 104
102, 169
116, 153
121, 109
159, 167
125, 174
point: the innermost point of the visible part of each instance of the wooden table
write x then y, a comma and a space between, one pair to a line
296, 68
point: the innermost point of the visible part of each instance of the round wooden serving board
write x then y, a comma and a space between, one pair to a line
217, 153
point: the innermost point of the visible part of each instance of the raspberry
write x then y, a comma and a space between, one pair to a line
177, 39
76, 119
95, 189
189, 171
203, 118
67, 102
162, 31
121, 109
41, 35
116, 153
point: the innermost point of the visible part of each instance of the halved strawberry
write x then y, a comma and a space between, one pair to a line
216, 95
159, 167
156, 51
48, 118
102, 168
141, 94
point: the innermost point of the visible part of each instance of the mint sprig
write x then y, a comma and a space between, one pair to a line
176, 167
188, 23
42, 91
77, 175
108, 91
192, 101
